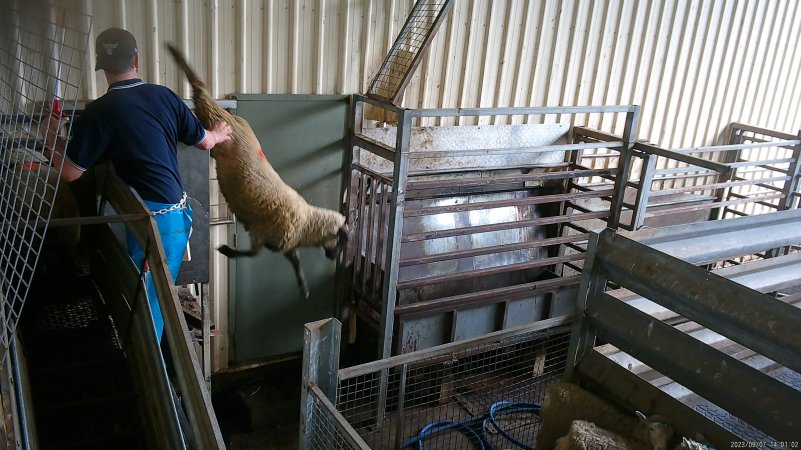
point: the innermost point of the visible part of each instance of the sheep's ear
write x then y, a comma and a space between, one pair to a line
642, 417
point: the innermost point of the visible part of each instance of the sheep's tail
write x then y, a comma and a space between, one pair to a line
206, 109
194, 80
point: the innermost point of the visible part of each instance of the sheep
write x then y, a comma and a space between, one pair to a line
566, 402
274, 214
689, 444
585, 435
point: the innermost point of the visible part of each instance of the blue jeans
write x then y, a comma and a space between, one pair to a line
174, 228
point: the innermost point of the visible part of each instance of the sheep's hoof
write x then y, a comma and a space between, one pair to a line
227, 251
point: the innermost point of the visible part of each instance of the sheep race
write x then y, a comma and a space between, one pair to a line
273, 213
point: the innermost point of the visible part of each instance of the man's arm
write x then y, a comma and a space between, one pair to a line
55, 147
217, 135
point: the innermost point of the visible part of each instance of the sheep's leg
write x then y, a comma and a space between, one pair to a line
292, 256
231, 253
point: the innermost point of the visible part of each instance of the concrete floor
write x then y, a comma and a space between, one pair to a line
259, 408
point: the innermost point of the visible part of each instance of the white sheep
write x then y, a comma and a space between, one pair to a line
585, 435
274, 214
566, 402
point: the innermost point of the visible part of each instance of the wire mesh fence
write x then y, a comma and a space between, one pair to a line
414, 38
42, 61
476, 396
327, 427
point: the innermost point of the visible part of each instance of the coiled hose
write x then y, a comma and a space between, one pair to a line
496, 410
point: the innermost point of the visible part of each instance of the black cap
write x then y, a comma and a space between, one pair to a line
115, 49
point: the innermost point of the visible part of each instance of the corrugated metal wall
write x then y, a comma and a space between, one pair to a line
693, 66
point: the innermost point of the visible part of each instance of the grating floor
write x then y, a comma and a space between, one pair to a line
82, 393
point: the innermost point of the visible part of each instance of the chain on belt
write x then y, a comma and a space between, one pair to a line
175, 207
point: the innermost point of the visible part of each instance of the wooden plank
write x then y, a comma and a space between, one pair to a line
760, 400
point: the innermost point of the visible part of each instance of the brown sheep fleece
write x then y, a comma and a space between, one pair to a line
274, 214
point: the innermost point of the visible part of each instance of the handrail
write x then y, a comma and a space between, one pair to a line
197, 399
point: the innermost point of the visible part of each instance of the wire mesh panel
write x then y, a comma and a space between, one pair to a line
327, 428
42, 60
414, 38
480, 395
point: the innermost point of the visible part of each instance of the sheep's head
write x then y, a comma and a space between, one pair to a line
660, 430
334, 246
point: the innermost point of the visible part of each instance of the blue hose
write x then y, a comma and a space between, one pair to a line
496, 410
511, 408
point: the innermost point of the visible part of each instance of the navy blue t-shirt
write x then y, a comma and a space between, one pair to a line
137, 126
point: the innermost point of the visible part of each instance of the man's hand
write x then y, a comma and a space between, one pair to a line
217, 135
49, 131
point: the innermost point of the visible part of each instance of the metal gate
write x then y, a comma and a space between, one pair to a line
42, 61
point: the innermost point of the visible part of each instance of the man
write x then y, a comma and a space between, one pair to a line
137, 126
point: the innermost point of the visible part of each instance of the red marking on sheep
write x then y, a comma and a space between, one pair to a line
261, 155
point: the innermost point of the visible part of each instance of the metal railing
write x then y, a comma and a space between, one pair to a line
756, 172
443, 225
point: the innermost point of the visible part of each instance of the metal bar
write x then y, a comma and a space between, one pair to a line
345, 430
729, 309
756, 139
708, 242
595, 134
458, 112
451, 347
726, 148
468, 274
360, 227
582, 335
713, 205
513, 150
369, 261
624, 166
763, 164
763, 131
379, 262
395, 232
760, 399
489, 296
675, 155
712, 186
795, 178
507, 179
491, 249
643, 193
374, 147
377, 102
527, 201
72, 221
372, 173
504, 226
400, 418
640, 395
320, 365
